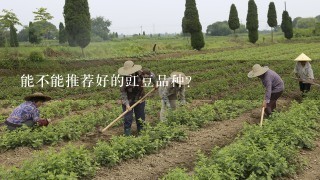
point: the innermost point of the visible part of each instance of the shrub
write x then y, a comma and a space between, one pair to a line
36, 56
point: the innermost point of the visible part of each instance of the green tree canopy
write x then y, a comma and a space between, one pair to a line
9, 18
286, 25
77, 22
63, 37
252, 21
100, 27
190, 21
305, 23
233, 22
42, 15
221, 28
13, 36
272, 18
23, 35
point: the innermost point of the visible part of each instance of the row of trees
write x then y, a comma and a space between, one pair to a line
252, 24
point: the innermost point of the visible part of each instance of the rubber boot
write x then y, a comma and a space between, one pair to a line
127, 132
139, 129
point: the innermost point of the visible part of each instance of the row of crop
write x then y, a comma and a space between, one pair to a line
275, 52
56, 165
262, 153
69, 128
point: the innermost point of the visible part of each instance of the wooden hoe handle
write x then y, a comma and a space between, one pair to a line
125, 112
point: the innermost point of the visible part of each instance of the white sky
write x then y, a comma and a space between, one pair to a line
160, 16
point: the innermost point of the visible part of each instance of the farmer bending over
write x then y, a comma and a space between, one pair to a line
304, 72
169, 94
273, 84
28, 113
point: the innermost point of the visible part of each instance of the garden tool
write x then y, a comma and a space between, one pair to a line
125, 112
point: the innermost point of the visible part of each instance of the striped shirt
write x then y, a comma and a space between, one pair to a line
24, 112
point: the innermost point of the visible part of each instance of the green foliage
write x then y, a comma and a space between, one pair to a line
267, 152
33, 36
100, 27
252, 21
13, 36
233, 21
42, 15
190, 21
286, 25
122, 148
222, 29
253, 36
63, 37
177, 174
36, 56
77, 22
70, 163
305, 23
272, 15
2, 37
9, 18
23, 35
45, 29
272, 18
197, 40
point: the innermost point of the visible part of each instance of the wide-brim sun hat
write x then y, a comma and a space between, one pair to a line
303, 57
180, 78
37, 95
129, 68
257, 70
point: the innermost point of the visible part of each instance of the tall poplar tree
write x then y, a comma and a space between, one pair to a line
252, 22
77, 22
286, 25
191, 24
272, 18
13, 36
62, 34
234, 22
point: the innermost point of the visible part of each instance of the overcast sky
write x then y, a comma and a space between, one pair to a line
160, 16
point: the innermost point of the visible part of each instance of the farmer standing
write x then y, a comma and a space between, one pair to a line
132, 91
28, 113
169, 94
304, 72
273, 84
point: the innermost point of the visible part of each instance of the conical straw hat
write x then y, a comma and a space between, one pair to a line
303, 57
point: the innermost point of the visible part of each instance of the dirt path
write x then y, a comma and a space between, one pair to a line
181, 154
311, 171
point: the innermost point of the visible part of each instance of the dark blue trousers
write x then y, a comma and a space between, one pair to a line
138, 113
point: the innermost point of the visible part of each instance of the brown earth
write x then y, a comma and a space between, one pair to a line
311, 170
178, 154
183, 154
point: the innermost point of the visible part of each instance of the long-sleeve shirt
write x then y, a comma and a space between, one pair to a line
24, 112
172, 89
304, 72
272, 83
133, 91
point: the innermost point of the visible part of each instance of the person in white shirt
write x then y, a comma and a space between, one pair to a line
169, 94
304, 72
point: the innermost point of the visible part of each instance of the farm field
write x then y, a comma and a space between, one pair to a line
223, 110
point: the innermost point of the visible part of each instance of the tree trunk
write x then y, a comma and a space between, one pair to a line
82, 52
234, 33
271, 34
